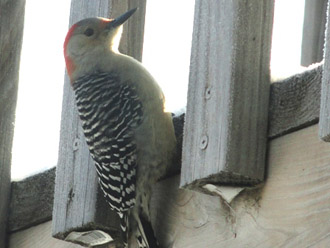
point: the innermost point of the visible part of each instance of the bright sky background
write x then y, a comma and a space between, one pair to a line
167, 39
287, 35
41, 76
166, 56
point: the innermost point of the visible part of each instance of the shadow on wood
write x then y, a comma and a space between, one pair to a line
290, 210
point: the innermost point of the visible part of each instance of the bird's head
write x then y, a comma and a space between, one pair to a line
90, 38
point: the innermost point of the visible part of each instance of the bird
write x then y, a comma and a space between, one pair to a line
129, 134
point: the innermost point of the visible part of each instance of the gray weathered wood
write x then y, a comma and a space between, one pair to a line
31, 200
313, 32
226, 120
288, 210
132, 37
38, 236
324, 124
78, 203
291, 209
295, 102
11, 31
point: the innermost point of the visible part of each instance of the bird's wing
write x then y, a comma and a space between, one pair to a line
109, 110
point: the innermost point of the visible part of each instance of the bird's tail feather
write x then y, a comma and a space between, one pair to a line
124, 227
145, 234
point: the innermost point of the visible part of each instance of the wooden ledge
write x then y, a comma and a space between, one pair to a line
32, 200
295, 102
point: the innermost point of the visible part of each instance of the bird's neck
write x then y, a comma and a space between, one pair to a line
105, 60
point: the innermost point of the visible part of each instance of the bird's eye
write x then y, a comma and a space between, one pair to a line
89, 32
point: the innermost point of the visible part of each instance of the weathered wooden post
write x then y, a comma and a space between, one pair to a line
226, 121
11, 34
78, 203
313, 32
324, 123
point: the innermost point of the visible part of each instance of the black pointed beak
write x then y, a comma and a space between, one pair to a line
121, 19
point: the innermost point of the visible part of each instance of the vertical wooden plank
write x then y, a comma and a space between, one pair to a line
72, 202
226, 120
324, 123
133, 33
78, 203
11, 32
313, 32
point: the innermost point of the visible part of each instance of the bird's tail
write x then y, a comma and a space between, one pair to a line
144, 234
124, 227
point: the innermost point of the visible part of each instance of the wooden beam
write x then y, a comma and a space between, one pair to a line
31, 200
38, 236
11, 29
324, 123
226, 120
79, 204
313, 31
290, 210
295, 102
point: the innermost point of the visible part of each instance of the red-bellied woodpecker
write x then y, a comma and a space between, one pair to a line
130, 137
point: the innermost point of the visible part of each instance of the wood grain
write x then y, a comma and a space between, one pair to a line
187, 219
325, 90
31, 200
133, 31
295, 102
11, 31
291, 209
226, 121
313, 32
38, 237
31, 204
78, 203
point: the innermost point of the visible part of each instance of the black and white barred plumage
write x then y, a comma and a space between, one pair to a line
109, 110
